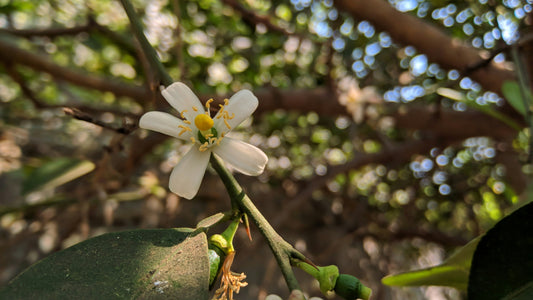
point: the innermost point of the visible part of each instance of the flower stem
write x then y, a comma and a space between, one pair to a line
283, 251
148, 50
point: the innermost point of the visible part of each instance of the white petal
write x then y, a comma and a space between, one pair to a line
164, 123
183, 100
245, 158
242, 104
187, 175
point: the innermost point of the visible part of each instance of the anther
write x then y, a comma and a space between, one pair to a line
203, 147
183, 129
227, 124
208, 103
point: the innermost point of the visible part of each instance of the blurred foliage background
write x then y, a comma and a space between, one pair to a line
372, 167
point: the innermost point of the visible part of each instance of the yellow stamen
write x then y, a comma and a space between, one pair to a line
208, 103
194, 108
221, 111
227, 124
193, 140
203, 147
184, 118
203, 122
183, 129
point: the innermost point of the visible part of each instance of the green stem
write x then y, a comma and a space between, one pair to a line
283, 251
229, 233
311, 270
149, 51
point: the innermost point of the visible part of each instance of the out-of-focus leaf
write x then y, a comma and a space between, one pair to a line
55, 173
460, 97
513, 95
137, 264
452, 272
502, 267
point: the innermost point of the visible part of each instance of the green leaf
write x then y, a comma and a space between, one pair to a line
452, 272
486, 109
55, 173
137, 264
211, 220
513, 95
502, 267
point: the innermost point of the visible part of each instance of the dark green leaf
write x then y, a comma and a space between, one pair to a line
502, 267
138, 264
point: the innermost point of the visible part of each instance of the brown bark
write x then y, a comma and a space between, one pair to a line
13, 54
447, 124
440, 48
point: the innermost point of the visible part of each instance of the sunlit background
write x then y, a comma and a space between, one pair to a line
328, 188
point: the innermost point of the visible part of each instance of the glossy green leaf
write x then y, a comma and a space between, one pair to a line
55, 173
452, 272
502, 267
137, 264
513, 95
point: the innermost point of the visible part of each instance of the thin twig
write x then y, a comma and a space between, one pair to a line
47, 32
179, 40
79, 115
147, 48
39, 104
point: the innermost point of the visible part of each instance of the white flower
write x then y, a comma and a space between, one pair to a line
207, 135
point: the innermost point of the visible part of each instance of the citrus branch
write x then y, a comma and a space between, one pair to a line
282, 250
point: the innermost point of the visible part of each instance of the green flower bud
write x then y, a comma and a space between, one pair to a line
350, 288
218, 241
216, 256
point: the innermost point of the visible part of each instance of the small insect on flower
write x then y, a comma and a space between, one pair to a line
207, 134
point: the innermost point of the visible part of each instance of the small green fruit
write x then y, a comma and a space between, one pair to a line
350, 288
216, 257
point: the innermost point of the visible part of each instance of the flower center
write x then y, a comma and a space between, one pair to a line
203, 122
